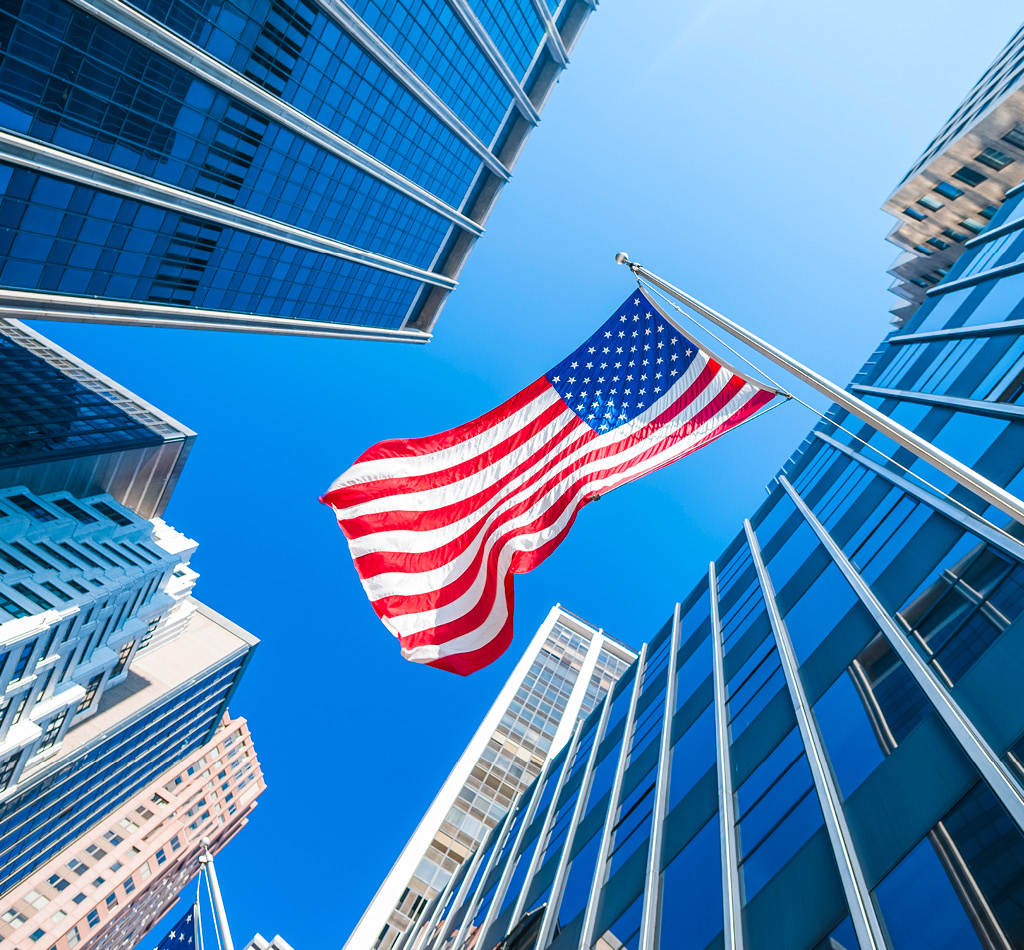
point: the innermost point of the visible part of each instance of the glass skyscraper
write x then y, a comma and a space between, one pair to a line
823, 747
565, 671
64, 426
313, 166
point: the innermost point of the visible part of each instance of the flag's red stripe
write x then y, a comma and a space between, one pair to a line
524, 561
402, 448
398, 519
494, 542
380, 562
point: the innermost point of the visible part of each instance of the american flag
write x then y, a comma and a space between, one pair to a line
183, 934
438, 526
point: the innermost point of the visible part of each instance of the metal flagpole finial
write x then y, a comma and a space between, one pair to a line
623, 258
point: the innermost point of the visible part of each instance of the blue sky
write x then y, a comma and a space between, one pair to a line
739, 148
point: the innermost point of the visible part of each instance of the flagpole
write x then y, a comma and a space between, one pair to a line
206, 859
988, 491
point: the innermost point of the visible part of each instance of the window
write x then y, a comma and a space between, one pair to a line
19, 711
74, 938
161, 856
22, 665
78, 898
12, 607
32, 508
58, 916
95, 851
7, 769
79, 867
37, 934
112, 513
932, 204
49, 739
969, 176
936, 242
56, 882
56, 591
947, 190
37, 900
1015, 136
90, 693
915, 214
93, 918
30, 595
111, 901
994, 159
13, 918
955, 235
129, 884
973, 224
989, 212
175, 843
921, 249
114, 838
122, 658
79, 514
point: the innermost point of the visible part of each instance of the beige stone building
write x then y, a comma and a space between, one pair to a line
960, 180
108, 888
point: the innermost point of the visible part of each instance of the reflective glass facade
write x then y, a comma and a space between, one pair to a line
822, 748
311, 166
565, 672
66, 427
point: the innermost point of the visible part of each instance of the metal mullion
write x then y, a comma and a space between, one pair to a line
157, 38
357, 28
980, 407
977, 749
460, 897
558, 885
549, 817
998, 539
506, 873
554, 38
495, 60
649, 917
91, 173
427, 921
858, 898
474, 901
732, 901
589, 921
953, 333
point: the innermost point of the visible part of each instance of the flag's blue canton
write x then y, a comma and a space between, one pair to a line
182, 935
631, 362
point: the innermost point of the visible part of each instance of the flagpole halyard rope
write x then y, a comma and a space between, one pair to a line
907, 471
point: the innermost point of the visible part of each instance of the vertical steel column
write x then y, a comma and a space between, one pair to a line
732, 900
474, 901
549, 817
463, 893
652, 880
558, 884
998, 539
506, 872
977, 749
862, 912
590, 920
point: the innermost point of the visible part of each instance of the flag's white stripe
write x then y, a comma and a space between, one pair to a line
431, 498
409, 584
483, 634
451, 492
438, 461
410, 540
